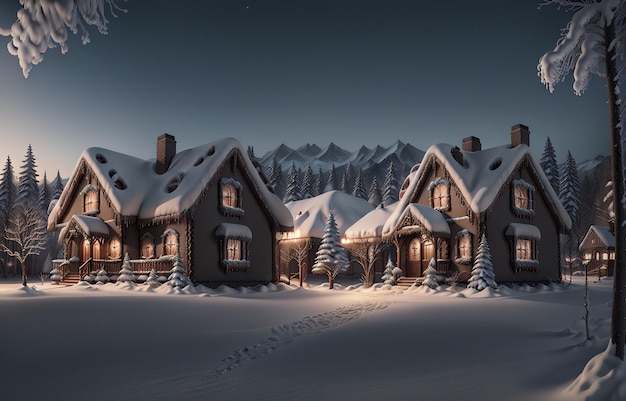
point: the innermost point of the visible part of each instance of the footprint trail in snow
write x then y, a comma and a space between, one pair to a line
286, 333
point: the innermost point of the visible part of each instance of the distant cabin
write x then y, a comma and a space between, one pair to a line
598, 248
209, 204
457, 194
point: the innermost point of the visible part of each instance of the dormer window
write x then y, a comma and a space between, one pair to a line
91, 200
522, 199
230, 201
440, 194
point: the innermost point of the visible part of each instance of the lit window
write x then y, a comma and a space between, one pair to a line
465, 247
440, 194
523, 249
522, 198
605, 256
234, 246
147, 246
233, 249
91, 202
524, 239
170, 243
96, 250
229, 195
115, 248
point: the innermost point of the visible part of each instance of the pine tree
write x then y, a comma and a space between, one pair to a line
359, 186
178, 278
331, 258
307, 184
153, 279
274, 175
102, 277
570, 189
390, 188
251, 153
431, 275
43, 201
8, 192
317, 184
28, 189
346, 180
57, 186
482, 271
126, 272
293, 192
549, 165
331, 185
375, 198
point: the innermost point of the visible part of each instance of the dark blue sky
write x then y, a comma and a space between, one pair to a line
295, 71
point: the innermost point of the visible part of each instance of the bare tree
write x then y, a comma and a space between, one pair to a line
593, 44
366, 254
300, 253
27, 232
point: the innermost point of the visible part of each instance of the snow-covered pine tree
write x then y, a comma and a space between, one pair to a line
55, 276
331, 258
390, 188
570, 188
28, 188
126, 272
102, 277
177, 277
153, 279
331, 185
550, 166
57, 186
431, 275
43, 201
482, 271
375, 198
346, 179
359, 186
317, 183
251, 153
293, 192
274, 175
307, 184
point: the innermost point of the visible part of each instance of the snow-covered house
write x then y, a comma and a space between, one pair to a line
309, 219
207, 203
457, 194
598, 247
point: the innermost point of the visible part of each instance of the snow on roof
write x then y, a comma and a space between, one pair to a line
92, 226
233, 231
520, 230
433, 220
309, 215
480, 177
603, 232
371, 225
135, 189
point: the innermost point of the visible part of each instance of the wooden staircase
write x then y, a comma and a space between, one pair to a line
71, 278
406, 282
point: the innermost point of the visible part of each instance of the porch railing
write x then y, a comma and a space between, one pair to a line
93, 266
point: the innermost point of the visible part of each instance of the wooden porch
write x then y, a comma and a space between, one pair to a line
73, 271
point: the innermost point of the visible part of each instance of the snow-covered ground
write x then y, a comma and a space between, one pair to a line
127, 342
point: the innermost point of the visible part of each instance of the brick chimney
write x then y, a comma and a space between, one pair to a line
471, 144
166, 150
520, 134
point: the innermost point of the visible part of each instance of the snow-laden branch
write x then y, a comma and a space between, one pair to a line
42, 24
581, 47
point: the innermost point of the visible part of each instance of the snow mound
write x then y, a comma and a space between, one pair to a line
602, 379
25, 291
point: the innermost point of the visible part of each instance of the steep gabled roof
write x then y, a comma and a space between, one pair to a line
135, 190
371, 225
479, 178
309, 215
604, 234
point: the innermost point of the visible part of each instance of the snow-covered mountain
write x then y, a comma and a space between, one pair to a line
374, 161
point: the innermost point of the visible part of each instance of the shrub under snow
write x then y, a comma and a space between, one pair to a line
153, 279
178, 278
102, 277
431, 275
126, 272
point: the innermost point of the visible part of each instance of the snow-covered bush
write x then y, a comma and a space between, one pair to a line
89, 278
153, 279
482, 271
431, 275
391, 273
126, 272
55, 276
178, 278
102, 277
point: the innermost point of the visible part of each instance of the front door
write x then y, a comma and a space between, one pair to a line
414, 258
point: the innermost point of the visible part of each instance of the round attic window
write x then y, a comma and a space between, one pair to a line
174, 183
199, 161
119, 183
100, 158
112, 172
211, 151
496, 163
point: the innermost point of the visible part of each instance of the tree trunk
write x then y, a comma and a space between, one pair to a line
24, 279
618, 315
331, 281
